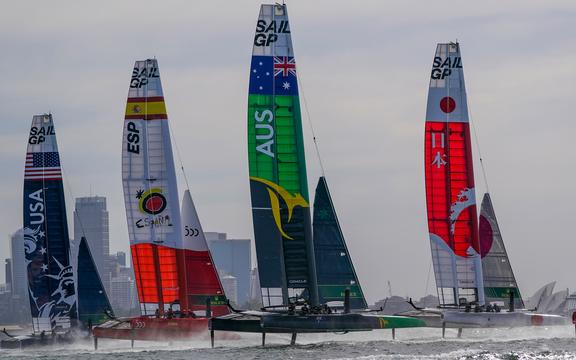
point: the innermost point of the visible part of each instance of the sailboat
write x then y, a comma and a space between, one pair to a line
301, 269
177, 281
56, 304
475, 283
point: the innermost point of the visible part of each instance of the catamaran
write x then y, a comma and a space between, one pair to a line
57, 305
475, 282
177, 281
304, 268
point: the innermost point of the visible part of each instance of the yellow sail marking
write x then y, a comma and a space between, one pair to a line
291, 201
142, 108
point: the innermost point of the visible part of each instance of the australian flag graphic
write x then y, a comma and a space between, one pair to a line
273, 75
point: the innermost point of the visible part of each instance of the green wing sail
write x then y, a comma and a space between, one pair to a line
278, 184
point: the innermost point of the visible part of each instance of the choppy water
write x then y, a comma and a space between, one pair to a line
525, 343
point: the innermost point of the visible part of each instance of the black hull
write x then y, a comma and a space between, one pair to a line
311, 323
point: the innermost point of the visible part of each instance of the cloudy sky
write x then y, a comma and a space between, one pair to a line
364, 69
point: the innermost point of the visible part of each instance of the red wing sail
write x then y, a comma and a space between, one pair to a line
450, 193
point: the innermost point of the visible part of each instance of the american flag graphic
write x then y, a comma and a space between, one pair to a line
42, 166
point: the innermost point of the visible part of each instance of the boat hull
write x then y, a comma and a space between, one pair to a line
460, 319
155, 329
37, 341
312, 323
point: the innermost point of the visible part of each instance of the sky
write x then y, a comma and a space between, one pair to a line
363, 70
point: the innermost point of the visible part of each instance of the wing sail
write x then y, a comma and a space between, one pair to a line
278, 184
450, 193
497, 271
150, 192
333, 262
93, 302
51, 286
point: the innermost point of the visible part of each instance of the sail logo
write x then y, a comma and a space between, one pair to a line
277, 192
191, 231
382, 322
140, 76
63, 298
60, 302
438, 141
442, 68
464, 199
132, 138
38, 134
264, 137
152, 202
37, 207
267, 32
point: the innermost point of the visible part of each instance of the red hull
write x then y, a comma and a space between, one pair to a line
156, 329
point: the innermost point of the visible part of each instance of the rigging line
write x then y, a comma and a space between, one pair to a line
301, 85
311, 126
477, 142
428, 278
68, 189
482, 167
309, 118
173, 136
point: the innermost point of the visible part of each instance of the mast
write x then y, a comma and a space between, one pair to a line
450, 193
278, 183
51, 286
334, 265
151, 193
497, 271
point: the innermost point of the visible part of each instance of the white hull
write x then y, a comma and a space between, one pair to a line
460, 319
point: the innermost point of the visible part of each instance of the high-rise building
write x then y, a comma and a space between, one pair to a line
91, 222
123, 294
19, 280
8, 274
255, 292
121, 258
230, 285
232, 257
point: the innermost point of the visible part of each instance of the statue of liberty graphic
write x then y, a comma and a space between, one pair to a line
56, 308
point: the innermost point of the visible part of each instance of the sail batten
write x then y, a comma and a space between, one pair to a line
450, 192
278, 183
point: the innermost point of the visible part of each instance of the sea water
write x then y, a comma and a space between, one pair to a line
424, 343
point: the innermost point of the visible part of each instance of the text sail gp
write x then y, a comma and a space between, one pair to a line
267, 31
442, 67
